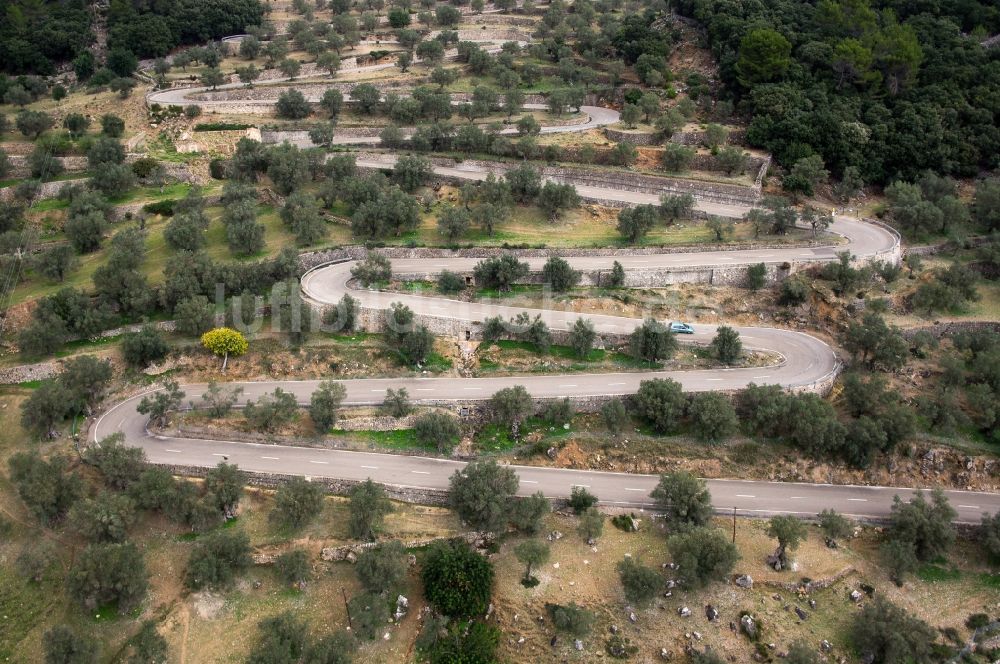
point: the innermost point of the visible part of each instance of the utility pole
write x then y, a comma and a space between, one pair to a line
734, 526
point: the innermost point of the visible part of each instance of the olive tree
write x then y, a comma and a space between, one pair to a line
684, 500
481, 494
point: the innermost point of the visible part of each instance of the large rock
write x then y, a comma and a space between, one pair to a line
744, 581
711, 613
749, 627
402, 606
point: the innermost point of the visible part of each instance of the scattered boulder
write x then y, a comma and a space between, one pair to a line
578, 645
801, 614
402, 606
555, 535
614, 629
711, 613
856, 596
684, 612
632, 618
749, 626
553, 641
351, 557
831, 543
666, 655
825, 646
744, 581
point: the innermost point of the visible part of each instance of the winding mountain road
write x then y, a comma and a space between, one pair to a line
804, 361
750, 498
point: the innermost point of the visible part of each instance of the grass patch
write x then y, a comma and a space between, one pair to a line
561, 352
437, 363
397, 439
498, 438
221, 126
418, 286
990, 580
24, 606
32, 384
356, 339
176, 190
516, 289
932, 573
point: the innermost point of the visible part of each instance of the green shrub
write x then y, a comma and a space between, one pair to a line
164, 208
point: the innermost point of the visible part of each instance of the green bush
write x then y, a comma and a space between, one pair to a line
164, 208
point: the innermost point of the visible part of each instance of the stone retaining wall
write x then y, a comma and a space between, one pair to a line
334, 486
19, 167
312, 259
26, 372
640, 138
940, 330
501, 19
949, 245
608, 179
728, 275
736, 137
45, 190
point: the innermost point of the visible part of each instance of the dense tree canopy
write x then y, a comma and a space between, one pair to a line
887, 87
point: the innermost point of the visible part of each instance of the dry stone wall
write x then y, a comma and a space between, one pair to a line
640, 138
313, 259
736, 137
334, 486
608, 179
45, 190
19, 167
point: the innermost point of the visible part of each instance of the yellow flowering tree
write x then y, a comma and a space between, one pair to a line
225, 341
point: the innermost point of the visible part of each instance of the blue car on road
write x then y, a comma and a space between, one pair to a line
681, 328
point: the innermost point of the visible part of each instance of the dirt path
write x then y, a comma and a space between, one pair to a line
187, 628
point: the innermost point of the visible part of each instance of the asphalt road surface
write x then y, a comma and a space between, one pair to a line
803, 360
618, 489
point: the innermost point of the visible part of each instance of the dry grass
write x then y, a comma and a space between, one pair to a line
589, 577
